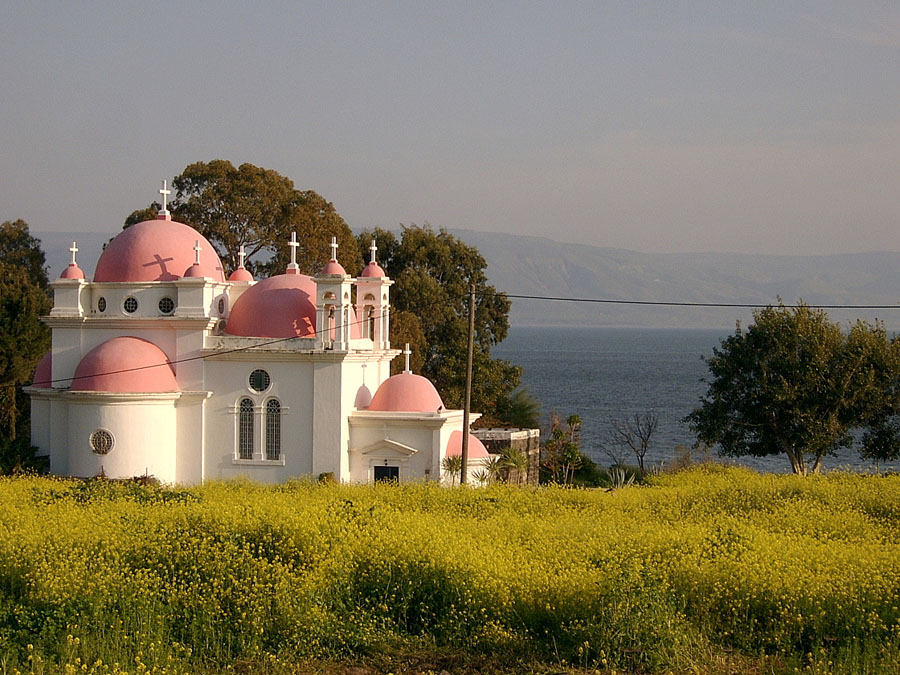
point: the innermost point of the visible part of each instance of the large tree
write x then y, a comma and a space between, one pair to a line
259, 209
795, 383
24, 339
432, 272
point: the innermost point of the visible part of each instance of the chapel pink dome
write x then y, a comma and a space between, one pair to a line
373, 269
406, 392
72, 271
333, 267
476, 447
156, 250
43, 373
280, 306
195, 271
240, 274
125, 365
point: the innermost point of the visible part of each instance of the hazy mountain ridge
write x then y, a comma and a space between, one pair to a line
528, 265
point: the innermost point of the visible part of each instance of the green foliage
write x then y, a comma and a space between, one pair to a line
21, 250
794, 383
452, 466
519, 409
258, 208
515, 460
561, 455
671, 577
432, 272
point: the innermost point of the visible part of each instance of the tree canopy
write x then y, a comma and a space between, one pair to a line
432, 272
795, 383
257, 208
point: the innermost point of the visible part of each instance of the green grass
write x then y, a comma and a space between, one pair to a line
711, 570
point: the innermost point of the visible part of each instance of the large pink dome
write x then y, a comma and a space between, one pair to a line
280, 306
156, 250
125, 365
476, 447
406, 392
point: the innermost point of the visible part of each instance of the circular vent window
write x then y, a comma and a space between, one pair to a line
102, 442
166, 305
221, 306
259, 380
130, 305
101, 305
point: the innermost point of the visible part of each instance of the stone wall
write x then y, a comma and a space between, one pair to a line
527, 440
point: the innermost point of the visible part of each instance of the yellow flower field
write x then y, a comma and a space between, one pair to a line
118, 577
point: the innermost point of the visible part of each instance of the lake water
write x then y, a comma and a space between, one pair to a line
606, 373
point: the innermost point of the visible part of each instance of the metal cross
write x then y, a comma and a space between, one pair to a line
74, 250
406, 353
373, 248
197, 250
165, 192
293, 244
241, 256
334, 248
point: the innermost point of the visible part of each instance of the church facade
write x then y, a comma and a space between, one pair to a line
161, 365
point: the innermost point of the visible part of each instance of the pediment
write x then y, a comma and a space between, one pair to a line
386, 446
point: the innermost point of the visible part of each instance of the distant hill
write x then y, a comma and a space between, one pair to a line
524, 265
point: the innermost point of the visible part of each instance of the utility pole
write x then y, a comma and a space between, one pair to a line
464, 470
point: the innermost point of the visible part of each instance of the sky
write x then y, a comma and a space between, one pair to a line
757, 127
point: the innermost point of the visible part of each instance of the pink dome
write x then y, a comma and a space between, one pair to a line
196, 271
406, 392
333, 267
43, 376
280, 306
476, 447
125, 365
363, 398
72, 271
156, 250
373, 269
240, 274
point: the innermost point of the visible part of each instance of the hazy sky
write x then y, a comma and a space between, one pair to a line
659, 126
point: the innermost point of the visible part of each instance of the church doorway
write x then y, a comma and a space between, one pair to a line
387, 473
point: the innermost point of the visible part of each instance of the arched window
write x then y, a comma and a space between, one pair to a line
273, 429
245, 429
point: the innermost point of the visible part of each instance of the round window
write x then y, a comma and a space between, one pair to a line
221, 306
166, 305
130, 305
101, 305
259, 380
102, 442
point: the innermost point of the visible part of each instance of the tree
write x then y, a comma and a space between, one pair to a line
257, 208
794, 383
561, 456
452, 466
515, 459
432, 272
520, 409
635, 433
19, 249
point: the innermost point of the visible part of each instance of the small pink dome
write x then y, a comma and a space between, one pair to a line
476, 447
72, 271
333, 267
373, 269
156, 250
240, 274
43, 373
125, 365
406, 392
280, 306
363, 398
196, 271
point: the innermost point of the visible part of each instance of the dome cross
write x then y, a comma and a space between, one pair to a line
197, 250
406, 353
293, 243
74, 250
241, 256
374, 249
165, 192
334, 248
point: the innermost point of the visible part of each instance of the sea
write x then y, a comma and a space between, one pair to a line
604, 374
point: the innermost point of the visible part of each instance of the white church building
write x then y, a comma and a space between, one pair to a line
161, 365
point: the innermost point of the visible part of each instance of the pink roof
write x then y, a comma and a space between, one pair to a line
406, 392
43, 372
373, 269
240, 274
197, 271
363, 398
156, 250
72, 271
476, 447
125, 365
281, 306
333, 267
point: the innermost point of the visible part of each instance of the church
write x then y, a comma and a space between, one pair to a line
162, 365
